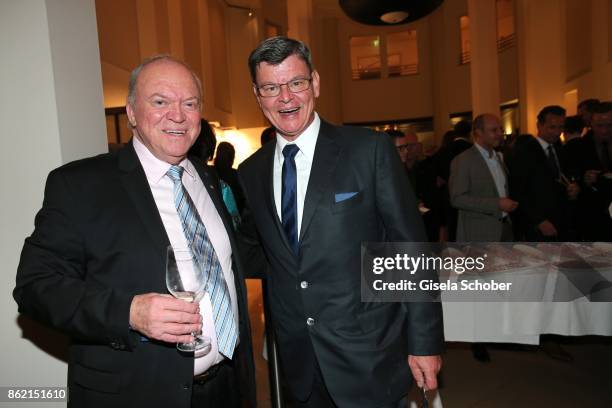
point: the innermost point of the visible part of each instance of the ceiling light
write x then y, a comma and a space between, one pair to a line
394, 17
388, 12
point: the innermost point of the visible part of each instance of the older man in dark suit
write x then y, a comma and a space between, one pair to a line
94, 267
316, 194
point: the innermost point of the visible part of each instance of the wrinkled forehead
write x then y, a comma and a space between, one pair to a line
492, 122
167, 74
292, 65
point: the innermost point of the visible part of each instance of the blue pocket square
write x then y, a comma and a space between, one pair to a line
345, 196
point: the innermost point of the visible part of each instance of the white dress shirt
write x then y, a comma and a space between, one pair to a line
162, 188
494, 163
306, 142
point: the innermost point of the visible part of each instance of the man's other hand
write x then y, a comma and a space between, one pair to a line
547, 229
573, 189
425, 369
507, 205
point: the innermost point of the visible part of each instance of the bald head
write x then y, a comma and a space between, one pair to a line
158, 59
164, 112
488, 131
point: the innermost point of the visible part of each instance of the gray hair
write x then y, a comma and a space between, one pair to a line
275, 50
131, 98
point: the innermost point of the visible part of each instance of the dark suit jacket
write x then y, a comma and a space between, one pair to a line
361, 347
99, 240
593, 215
539, 194
443, 159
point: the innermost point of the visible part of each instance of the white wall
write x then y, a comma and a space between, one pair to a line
52, 113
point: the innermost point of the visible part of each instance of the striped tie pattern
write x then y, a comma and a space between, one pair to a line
210, 268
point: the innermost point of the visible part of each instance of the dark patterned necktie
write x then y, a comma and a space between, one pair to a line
289, 196
552, 161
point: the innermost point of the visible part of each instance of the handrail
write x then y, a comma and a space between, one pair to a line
394, 71
503, 44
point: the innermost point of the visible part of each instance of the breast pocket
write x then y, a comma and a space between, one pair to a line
345, 201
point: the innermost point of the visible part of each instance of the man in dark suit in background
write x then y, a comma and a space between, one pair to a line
442, 159
539, 183
585, 110
316, 194
95, 264
422, 177
591, 163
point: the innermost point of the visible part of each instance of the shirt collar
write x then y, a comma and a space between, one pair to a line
306, 142
543, 143
156, 169
485, 152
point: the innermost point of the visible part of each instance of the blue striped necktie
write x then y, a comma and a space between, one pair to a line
210, 268
289, 196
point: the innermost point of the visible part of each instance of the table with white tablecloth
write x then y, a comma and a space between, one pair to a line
509, 320
523, 322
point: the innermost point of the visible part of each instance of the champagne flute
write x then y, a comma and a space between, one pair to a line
182, 281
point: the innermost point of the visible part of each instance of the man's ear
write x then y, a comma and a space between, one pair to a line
256, 95
130, 115
315, 83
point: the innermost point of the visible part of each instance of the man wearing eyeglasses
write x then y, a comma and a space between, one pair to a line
316, 194
409, 149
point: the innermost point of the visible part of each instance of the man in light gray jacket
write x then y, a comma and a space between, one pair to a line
479, 186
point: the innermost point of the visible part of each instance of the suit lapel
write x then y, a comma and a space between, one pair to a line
323, 166
542, 157
484, 168
135, 183
267, 180
211, 183
506, 173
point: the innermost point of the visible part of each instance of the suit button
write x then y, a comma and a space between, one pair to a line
303, 284
310, 321
186, 386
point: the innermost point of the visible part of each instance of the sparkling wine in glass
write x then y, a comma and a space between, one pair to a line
183, 282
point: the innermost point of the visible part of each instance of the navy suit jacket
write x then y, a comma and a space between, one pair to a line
361, 348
